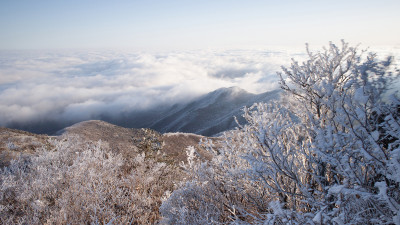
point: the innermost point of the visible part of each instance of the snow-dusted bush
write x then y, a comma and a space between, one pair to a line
81, 183
326, 153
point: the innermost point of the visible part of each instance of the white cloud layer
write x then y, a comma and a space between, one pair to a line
81, 85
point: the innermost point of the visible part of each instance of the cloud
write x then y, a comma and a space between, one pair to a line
78, 85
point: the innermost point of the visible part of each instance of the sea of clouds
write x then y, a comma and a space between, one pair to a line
81, 85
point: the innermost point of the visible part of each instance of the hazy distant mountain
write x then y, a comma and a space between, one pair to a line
207, 115
212, 113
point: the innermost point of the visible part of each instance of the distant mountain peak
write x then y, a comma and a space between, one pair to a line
229, 92
232, 90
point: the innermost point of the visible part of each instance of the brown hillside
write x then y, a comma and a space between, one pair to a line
14, 143
128, 141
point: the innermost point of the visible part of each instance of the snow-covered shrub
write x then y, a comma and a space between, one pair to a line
11, 145
326, 153
216, 191
81, 183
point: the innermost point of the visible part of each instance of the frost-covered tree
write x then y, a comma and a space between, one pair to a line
326, 153
347, 125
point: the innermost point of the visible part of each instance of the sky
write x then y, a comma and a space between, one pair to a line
207, 24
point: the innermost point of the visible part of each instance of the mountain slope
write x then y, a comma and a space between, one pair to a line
211, 113
15, 143
130, 141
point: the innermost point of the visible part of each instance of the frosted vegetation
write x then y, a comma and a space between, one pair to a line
327, 152
80, 183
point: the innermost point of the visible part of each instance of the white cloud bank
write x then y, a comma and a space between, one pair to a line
79, 85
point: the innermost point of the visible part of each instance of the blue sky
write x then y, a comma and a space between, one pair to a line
161, 25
